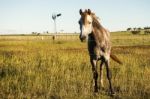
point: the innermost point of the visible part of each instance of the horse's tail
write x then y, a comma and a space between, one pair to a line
115, 58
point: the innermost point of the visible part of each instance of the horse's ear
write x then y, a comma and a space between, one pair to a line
80, 11
89, 11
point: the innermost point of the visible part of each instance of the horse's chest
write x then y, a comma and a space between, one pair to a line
94, 51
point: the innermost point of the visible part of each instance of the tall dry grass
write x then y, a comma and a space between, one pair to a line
61, 69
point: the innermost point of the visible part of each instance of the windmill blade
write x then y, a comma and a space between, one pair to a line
58, 14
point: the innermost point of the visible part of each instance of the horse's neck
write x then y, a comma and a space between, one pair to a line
101, 36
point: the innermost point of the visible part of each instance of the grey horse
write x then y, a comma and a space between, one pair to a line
99, 45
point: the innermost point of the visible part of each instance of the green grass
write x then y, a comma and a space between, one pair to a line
34, 68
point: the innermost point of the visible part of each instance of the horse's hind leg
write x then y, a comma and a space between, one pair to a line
95, 74
101, 75
109, 77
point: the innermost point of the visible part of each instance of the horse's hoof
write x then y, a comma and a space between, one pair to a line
112, 94
96, 90
95, 94
102, 88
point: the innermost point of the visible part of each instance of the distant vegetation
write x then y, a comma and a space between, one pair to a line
145, 30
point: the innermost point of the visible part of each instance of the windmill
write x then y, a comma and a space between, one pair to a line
54, 16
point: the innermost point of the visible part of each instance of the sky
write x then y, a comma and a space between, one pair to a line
26, 16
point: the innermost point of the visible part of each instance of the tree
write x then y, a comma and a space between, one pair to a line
139, 29
129, 29
33, 33
136, 30
147, 30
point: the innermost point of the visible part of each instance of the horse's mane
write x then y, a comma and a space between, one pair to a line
100, 33
97, 24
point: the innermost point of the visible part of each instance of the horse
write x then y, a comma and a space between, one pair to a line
99, 46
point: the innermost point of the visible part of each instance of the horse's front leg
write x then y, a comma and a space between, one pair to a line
95, 73
109, 76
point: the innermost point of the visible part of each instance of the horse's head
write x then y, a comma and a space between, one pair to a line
85, 23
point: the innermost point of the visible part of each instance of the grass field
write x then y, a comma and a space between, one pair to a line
36, 67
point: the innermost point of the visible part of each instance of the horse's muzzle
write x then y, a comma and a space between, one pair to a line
82, 38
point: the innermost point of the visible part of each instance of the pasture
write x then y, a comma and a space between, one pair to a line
38, 67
